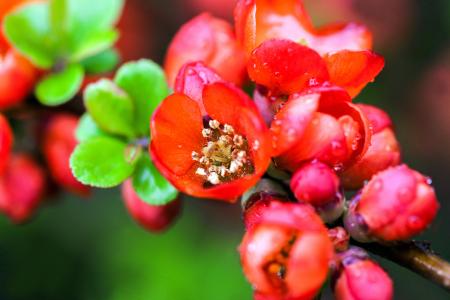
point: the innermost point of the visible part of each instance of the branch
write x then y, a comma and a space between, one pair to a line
417, 257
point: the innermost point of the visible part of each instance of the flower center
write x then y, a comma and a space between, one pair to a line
225, 155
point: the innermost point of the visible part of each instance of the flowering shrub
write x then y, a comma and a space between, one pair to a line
293, 147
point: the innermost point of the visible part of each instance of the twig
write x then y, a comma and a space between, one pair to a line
417, 257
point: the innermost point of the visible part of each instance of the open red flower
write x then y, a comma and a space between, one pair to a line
6, 141
261, 20
21, 188
217, 155
321, 123
383, 152
358, 277
58, 144
285, 254
285, 67
396, 204
17, 74
152, 217
210, 40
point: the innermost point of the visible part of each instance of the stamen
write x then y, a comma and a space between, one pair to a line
224, 156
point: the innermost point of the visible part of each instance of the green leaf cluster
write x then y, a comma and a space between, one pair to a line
68, 38
114, 131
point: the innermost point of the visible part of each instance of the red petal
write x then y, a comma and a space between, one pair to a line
286, 67
291, 121
353, 70
379, 119
176, 132
6, 141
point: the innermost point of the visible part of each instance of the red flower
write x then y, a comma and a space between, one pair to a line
21, 188
320, 123
285, 255
218, 155
383, 152
317, 184
210, 40
58, 144
260, 20
17, 74
285, 67
361, 278
6, 141
396, 204
151, 217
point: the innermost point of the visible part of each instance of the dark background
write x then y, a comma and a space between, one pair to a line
91, 249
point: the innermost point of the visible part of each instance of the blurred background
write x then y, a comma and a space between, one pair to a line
91, 249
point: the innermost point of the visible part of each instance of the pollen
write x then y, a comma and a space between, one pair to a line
224, 156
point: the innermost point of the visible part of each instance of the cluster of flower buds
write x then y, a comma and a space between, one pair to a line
211, 140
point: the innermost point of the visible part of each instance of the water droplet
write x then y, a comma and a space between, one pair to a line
337, 148
291, 134
190, 72
428, 180
179, 146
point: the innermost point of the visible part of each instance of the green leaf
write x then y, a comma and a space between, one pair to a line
88, 20
94, 44
150, 185
110, 107
101, 63
58, 18
28, 29
102, 162
145, 83
87, 129
58, 88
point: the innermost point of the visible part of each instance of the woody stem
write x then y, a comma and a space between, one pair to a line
417, 257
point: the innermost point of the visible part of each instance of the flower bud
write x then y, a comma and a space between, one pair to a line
383, 152
6, 140
286, 253
59, 143
396, 204
360, 278
21, 188
151, 217
211, 41
317, 184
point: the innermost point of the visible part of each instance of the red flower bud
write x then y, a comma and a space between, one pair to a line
317, 184
218, 155
151, 217
192, 79
360, 278
6, 141
383, 152
58, 144
396, 204
21, 188
17, 74
210, 40
321, 124
285, 255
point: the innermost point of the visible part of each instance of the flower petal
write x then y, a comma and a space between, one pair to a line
286, 67
353, 70
176, 132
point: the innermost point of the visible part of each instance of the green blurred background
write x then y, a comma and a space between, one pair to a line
91, 249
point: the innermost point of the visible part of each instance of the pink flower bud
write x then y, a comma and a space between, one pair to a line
396, 204
317, 184
359, 278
